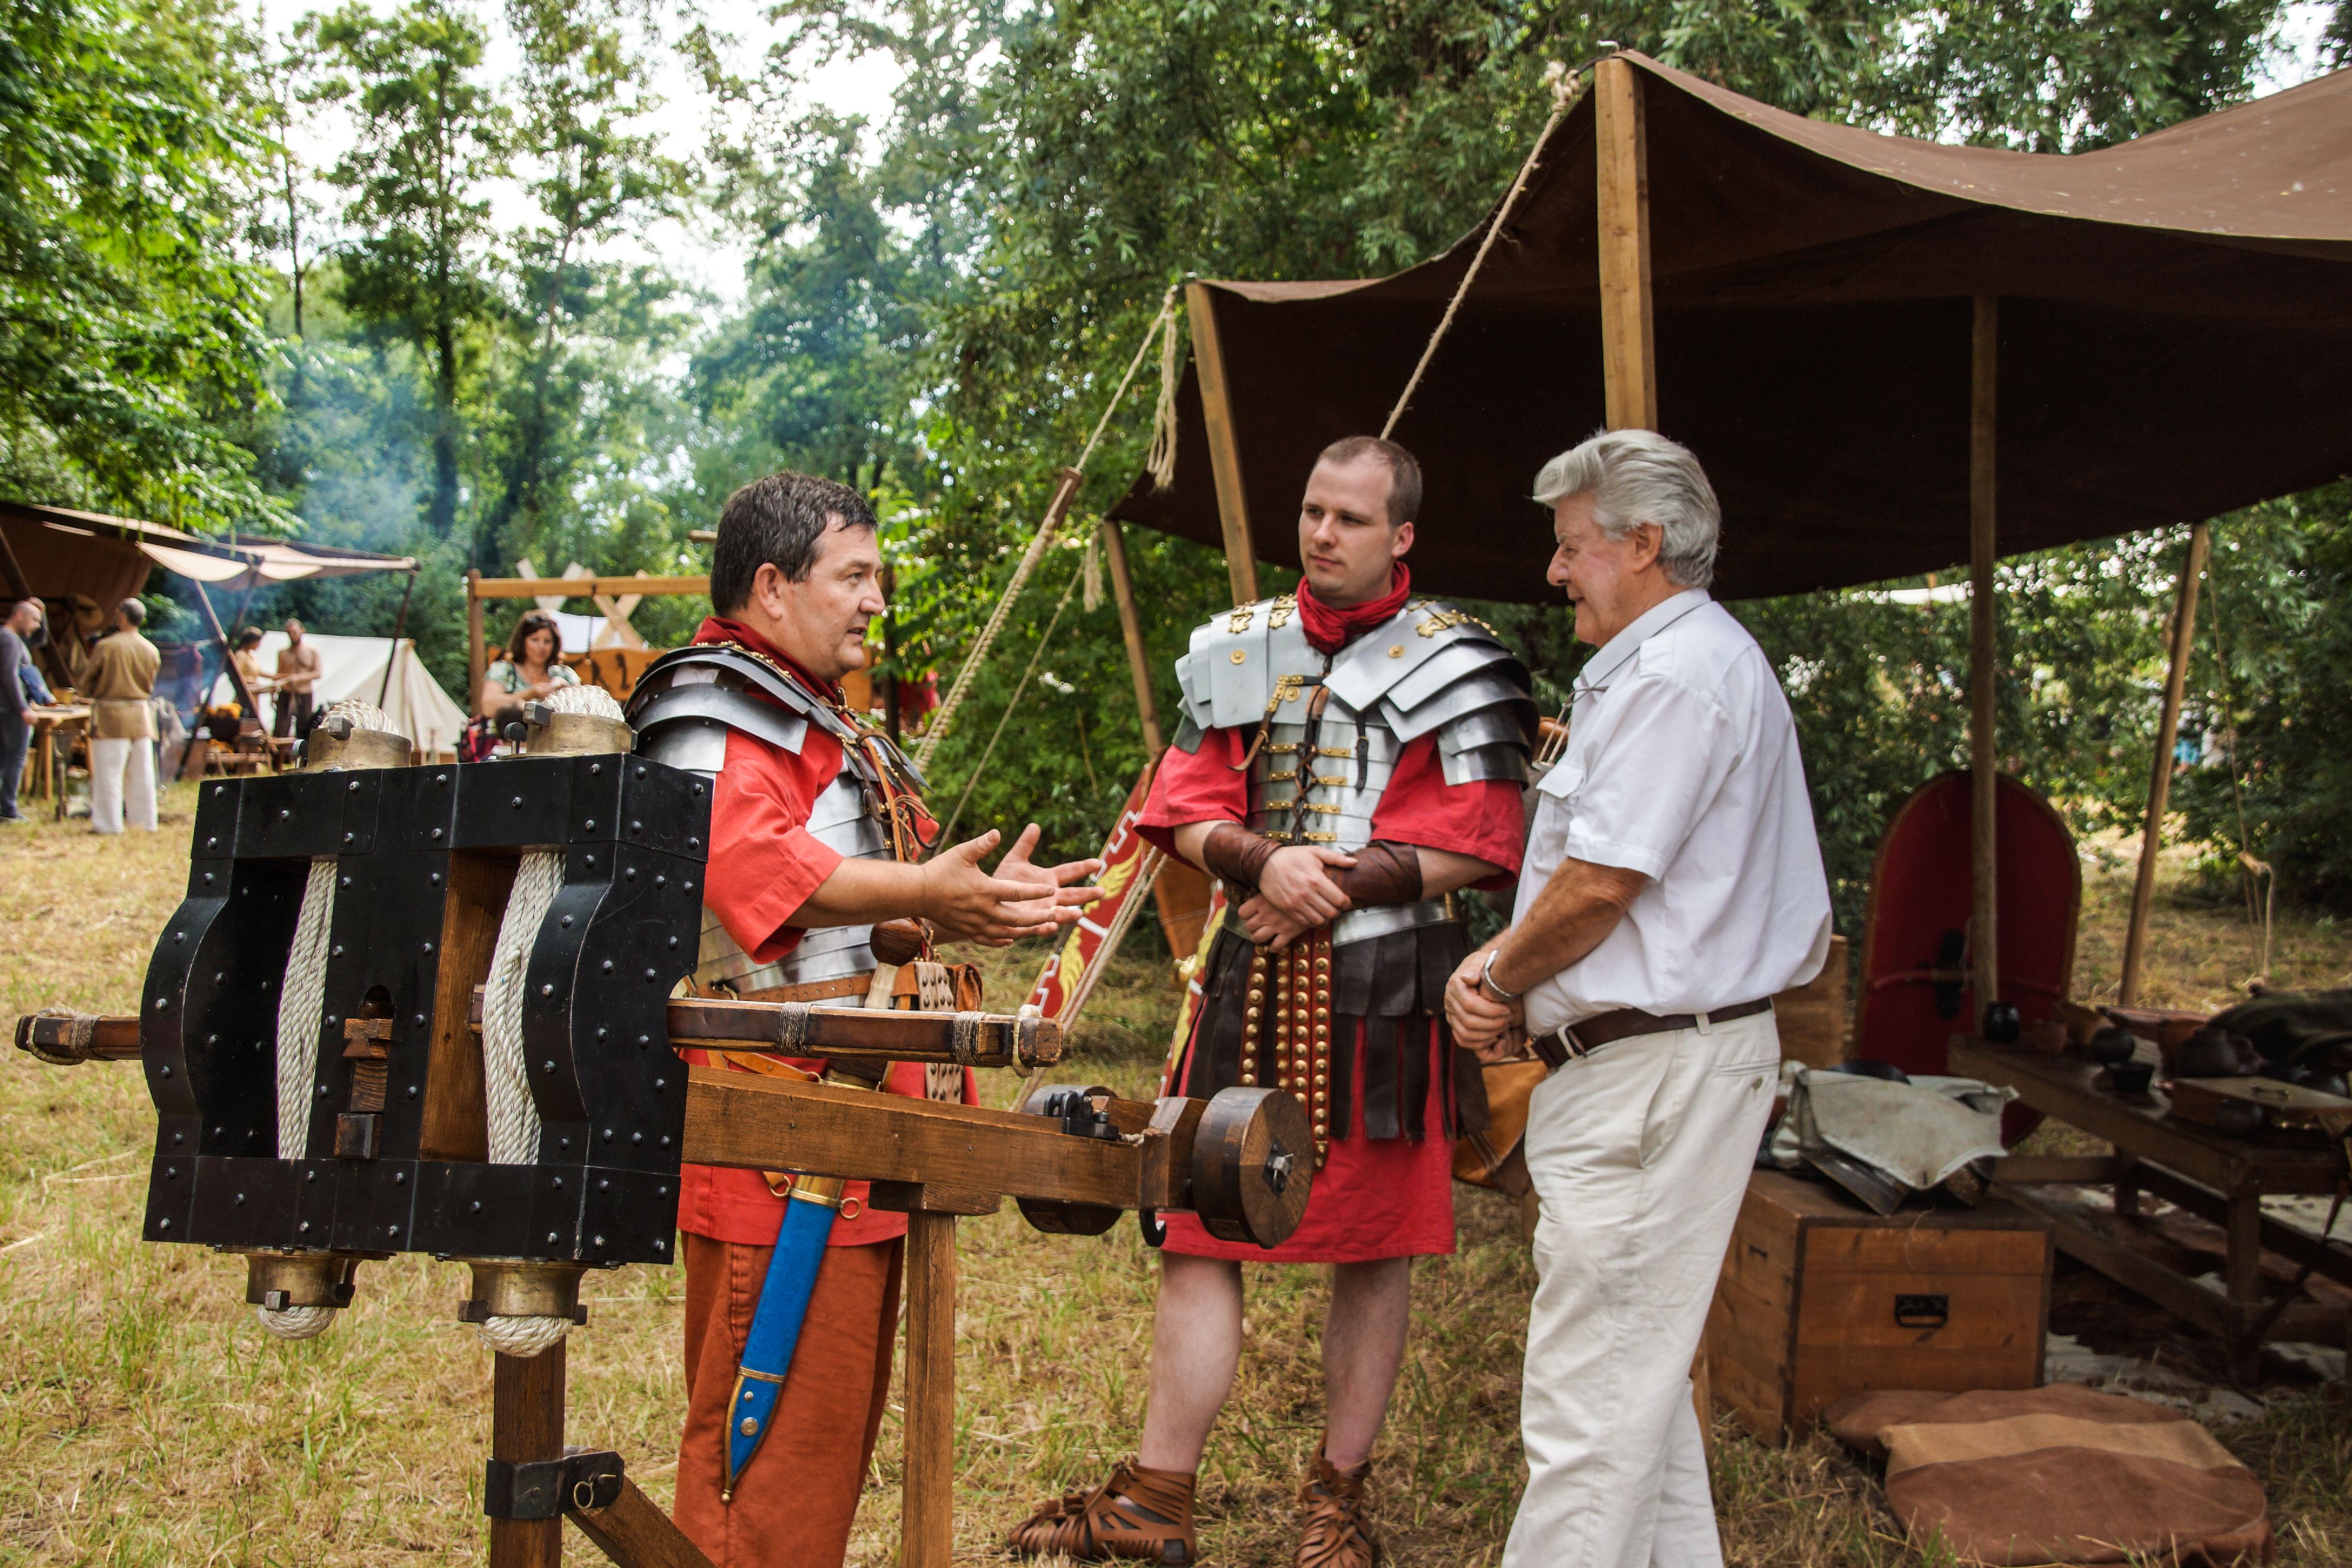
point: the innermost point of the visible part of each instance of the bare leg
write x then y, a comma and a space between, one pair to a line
1363, 1346
1196, 1343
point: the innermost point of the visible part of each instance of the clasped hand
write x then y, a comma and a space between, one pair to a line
1294, 894
1019, 899
1493, 1031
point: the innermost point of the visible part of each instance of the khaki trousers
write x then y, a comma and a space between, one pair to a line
1640, 1154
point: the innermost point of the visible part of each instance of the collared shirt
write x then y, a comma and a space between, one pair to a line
1682, 765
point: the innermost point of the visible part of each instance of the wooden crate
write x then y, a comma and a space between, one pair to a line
1819, 1299
1813, 1017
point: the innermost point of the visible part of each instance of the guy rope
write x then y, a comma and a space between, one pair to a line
1163, 455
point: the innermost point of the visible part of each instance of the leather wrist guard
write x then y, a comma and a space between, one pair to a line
1384, 873
1236, 854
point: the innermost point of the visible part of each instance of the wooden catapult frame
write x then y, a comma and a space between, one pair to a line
417, 1142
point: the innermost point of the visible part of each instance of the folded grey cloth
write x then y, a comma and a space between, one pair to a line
1915, 1134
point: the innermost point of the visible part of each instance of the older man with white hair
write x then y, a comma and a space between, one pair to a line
1673, 884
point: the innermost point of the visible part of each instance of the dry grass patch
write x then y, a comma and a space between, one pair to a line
145, 1419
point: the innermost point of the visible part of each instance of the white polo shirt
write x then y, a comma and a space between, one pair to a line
1682, 765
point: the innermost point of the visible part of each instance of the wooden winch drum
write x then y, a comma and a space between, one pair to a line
1252, 1163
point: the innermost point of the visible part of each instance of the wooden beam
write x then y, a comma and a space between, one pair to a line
526, 1427
927, 1517
1131, 627
582, 587
2160, 777
475, 667
1984, 934
634, 1532
1628, 344
770, 1124
1224, 447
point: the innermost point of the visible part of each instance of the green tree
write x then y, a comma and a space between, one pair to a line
130, 329
428, 135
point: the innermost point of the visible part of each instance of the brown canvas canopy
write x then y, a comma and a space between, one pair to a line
2175, 341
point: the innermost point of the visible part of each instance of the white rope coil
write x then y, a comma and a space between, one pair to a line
300, 999
297, 1323
514, 1125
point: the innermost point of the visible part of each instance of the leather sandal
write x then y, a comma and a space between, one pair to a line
1333, 1531
1138, 1513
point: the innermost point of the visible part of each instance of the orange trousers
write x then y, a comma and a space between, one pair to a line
794, 1502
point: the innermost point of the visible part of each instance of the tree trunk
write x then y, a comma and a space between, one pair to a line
444, 515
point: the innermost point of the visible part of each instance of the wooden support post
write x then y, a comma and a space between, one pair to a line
2159, 778
475, 669
927, 1520
1628, 344
1224, 447
1130, 626
1984, 936
526, 1427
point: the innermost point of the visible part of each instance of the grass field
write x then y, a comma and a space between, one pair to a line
145, 1419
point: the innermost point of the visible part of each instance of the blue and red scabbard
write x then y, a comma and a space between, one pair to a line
809, 1214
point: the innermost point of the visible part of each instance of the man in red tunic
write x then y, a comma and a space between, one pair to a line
1351, 756
815, 837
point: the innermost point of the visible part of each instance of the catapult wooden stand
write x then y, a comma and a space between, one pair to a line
396, 887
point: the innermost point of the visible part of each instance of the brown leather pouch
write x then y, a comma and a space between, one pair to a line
1495, 1157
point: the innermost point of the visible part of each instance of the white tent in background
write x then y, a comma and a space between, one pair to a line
353, 666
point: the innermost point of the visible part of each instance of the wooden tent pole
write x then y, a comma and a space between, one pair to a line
399, 625
1130, 626
1628, 342
1225, 447
475, 669
2160, 779
1984, 946
229, 653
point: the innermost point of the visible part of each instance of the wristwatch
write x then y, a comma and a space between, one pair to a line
1486, 981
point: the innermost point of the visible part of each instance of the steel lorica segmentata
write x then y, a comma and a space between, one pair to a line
1324, 734
682, 709
1328, 729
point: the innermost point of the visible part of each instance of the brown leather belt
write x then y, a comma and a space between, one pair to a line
1560, 1047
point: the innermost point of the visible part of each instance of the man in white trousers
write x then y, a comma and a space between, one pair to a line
120, 681
1673, 884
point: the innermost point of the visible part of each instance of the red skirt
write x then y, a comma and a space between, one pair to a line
1374, 1198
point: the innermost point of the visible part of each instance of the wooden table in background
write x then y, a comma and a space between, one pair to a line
48, 723
2219, 1179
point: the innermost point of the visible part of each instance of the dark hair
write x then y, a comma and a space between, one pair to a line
533, 621
134, 612
777, 521
247, 638
1404, 471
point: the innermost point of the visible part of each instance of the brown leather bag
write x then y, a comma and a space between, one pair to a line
1494, 1158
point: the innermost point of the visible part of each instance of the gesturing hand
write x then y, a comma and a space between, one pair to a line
967, 904
1294, 881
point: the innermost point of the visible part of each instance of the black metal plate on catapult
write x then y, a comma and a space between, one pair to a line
375, 1199
245, 1203
295, 816
628, 1216
473, 1208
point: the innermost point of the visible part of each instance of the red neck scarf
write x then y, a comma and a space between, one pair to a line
720, 629
1328, 630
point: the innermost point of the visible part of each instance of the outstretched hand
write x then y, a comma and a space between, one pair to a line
1020, 898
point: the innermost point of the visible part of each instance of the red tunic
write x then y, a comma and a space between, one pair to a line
763, 866
1374, 1197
